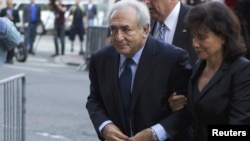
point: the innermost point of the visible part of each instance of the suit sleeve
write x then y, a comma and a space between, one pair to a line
94, 101
2, 13
25, 14
16, 17
181, 74
174, 123
240, 100
39, 14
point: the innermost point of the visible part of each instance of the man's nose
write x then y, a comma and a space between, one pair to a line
119, 36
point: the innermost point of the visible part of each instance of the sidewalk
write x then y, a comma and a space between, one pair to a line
70, 59
45, 45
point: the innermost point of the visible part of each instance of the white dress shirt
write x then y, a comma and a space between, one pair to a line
170, 22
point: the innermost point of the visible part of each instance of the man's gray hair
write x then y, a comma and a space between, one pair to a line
143, 15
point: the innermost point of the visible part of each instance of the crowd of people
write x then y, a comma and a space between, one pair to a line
82, 16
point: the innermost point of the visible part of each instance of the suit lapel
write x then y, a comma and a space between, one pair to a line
112, 73
213, 80
180, 26
145, 66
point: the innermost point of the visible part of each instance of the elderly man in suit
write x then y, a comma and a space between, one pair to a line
31, 18
167, 17
132, 79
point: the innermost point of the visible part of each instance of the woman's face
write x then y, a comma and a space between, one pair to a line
207, 44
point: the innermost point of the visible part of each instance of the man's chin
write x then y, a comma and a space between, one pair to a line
153, 14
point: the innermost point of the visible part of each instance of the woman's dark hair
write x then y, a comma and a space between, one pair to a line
222, 21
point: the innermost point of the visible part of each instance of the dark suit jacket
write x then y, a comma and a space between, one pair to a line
224, 100
14, 14
162, 69
26, 14
91, 13
182, 38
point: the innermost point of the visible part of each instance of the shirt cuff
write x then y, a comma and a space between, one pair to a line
160, 132
103, 125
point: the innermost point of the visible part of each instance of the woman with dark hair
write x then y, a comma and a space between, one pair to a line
219, 87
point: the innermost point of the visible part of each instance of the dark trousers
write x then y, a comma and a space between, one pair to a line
59, 32
30, 36
10, 55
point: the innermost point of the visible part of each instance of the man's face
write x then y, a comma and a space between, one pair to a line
9, 3
126, 35
159, 9
77, 1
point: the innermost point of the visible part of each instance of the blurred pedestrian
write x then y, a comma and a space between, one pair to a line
31, 19
11, 14
78, 25
91, 11
131, 80
59, 10
167, 24
10, 38
219, 87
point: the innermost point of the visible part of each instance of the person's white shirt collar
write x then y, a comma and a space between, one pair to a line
171, 22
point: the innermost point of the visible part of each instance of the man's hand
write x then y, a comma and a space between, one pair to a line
144, 135
112, 133
177, 102
11, 18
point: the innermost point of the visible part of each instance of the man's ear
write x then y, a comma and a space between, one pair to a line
146, 28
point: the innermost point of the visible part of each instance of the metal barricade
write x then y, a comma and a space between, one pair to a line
12, 90
96, 37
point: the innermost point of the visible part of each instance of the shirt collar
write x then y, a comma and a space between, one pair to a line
135, 58
172, 18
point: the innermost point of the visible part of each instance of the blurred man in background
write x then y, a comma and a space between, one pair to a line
91, 11
31, 19
167, 22
78, 25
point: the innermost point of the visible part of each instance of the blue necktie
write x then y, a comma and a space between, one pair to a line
125, 89
162, 32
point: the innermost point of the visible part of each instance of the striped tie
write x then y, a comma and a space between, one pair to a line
162, 32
